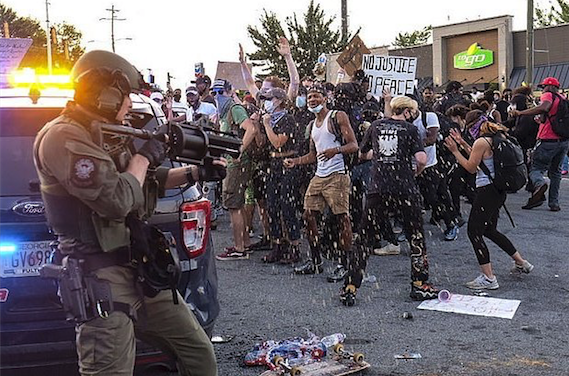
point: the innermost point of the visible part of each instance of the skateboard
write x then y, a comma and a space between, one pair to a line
341, 364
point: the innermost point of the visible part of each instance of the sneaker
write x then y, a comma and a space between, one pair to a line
290, 256
483, 283
425, 291
337, 275
263, 244
526, 267
537, 198
555, 208
309, 268
451, 233
388, 250
231, 253
401, 237
348, 295
564, 172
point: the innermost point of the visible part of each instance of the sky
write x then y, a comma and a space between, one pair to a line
173, 35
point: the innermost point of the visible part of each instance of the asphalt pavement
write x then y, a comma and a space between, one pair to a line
261, 302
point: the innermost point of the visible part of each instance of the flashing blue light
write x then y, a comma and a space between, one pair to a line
8, 248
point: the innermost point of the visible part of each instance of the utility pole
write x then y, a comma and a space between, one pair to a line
529, 45
112, 19
345, 20
48, 34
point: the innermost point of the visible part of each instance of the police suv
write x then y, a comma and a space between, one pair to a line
36, 339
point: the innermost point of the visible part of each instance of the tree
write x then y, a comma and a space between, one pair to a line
308, 40
556, 14
68, 38
25, 27
414, 38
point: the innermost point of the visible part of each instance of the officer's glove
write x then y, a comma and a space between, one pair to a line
212, 171
155, 151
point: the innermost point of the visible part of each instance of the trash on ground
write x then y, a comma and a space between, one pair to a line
474, 305
408, 356
221, 339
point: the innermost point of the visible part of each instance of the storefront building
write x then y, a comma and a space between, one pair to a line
481, 53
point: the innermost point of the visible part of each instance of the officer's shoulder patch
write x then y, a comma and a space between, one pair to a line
83, 171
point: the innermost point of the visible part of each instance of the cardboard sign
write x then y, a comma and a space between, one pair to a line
231, 72
393, 73
12, 51
474, 305
351, 58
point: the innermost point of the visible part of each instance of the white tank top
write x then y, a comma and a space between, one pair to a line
323, 140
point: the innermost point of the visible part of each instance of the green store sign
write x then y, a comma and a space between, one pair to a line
474, 58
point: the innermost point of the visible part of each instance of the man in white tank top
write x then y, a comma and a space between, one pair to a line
331, 184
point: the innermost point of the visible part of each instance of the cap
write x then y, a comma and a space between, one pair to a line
192, 90
221, 85
157, 95
550, 81
202, 80
275, 92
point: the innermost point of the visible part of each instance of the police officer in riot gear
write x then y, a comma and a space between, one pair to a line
91, 187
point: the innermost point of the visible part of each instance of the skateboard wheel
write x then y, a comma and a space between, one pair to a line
359, 358
338, 348
295, 371
278, 360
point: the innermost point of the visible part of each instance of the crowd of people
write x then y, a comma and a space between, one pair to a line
356, 174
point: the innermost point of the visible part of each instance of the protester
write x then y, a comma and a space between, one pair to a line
461, 182
501, 104
483, 220
197, 108
203, 84
331, 185
394, 145
178, 108
452, 96
428, 102
549, 150
234, 119
270, 82
279, 127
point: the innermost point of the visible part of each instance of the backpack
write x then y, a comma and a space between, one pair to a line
510, 170
350, 160
560, 121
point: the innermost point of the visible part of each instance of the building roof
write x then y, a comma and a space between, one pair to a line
559, 71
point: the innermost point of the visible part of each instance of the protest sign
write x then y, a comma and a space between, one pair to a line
12, 51
474, 305
393, 73
231, 71
351, 58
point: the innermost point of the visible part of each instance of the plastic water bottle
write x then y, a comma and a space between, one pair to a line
333, 339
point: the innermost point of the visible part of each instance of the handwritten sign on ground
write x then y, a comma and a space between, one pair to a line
351, 58
393, 73
474, 305
12, 51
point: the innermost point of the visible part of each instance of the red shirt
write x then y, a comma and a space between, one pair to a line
545, 130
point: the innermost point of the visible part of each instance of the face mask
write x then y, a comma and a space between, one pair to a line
269, 106
177, 98
317, 109
413, 117
300, 102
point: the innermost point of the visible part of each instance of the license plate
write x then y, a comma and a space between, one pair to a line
26, 260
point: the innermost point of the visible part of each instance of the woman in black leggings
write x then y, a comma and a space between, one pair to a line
485, 209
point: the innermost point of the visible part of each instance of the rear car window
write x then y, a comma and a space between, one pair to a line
18, 129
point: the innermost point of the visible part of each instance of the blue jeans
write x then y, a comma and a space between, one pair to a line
547, 156
565, 163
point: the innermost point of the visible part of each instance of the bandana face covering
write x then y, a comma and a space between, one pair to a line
475, 129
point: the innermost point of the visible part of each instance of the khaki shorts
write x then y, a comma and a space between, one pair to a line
333, 190
235, 184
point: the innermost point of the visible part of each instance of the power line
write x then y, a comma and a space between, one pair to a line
112, 19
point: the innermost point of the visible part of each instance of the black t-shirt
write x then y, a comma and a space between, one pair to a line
502, 108
394, 144
285, 125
